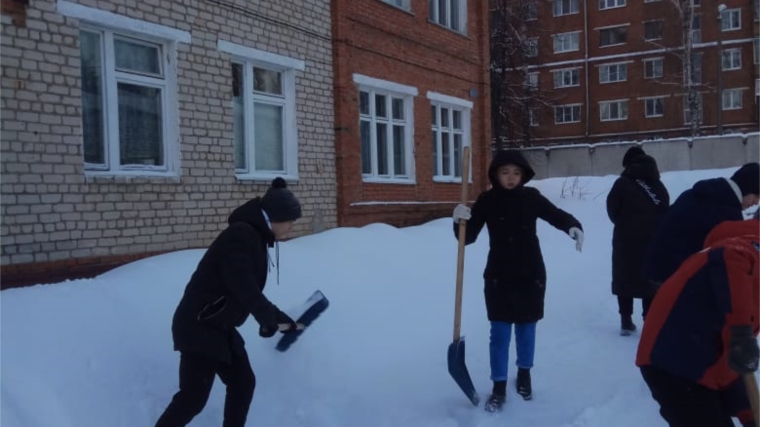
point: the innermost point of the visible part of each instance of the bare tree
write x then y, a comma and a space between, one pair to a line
515, 97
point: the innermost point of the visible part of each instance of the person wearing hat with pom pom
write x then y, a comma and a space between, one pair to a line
226, 287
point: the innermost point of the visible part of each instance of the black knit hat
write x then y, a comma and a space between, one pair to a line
279, 203
748, 178
632, 154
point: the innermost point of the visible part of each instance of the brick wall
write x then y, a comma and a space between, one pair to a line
54, 215
382, 41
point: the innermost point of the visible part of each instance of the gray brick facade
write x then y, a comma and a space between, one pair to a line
54, 209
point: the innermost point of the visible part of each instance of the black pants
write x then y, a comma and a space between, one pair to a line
684, 403
196, 376
625, 306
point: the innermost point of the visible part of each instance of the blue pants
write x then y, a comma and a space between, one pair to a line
501, 335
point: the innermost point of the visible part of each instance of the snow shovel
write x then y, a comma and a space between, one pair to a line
312, 308
457, 367
750, 383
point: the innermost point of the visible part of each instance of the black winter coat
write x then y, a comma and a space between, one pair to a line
226, 288
688, 222
636, 204
515, 274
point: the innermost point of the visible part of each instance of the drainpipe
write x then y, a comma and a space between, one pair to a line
585, 40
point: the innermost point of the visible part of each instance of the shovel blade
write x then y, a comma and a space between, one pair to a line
458, 370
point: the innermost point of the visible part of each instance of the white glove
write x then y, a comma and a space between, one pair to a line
577, 235
461, 212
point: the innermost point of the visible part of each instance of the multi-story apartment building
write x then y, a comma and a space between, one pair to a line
611, 70
411, 90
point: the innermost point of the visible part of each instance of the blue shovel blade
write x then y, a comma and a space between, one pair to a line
458, 370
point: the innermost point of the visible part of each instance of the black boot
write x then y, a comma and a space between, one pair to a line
524, 388
627, 327
498, 397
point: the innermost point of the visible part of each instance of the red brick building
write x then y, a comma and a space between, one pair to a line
411, 89
611, 70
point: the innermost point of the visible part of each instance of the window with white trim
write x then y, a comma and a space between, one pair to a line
732, 59
732, 99
653, 30
567, 113
451, 14
696, 68
386, 130
567, 77
126, 88
450, 127
654, 107
611, 73
653, 68
731, 19
531, 47
265, 134
565, 7
531, 11
531, 81
401, 4
686, 111
533, 117
696, 29
566, 42
613, 110
756, 49
610, 4
613, 36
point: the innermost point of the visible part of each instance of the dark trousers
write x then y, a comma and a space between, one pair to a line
625, 306
196, 376
685, 403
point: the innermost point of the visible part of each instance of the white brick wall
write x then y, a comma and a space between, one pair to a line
52, 211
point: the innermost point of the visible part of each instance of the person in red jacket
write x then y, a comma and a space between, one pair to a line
701, 329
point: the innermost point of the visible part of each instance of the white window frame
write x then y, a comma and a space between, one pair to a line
531, 11
250, 58
604, 72
531, 81
451, 103
735, 98
401, 4
756, 49
572, 6
654, 21
533, 117
727, 20
696, 29
434, 15
531, 43
652, 101
622, 104
734, 58
572, 108
563, 77
654, 61
614, 27
686, 118
611, 4
108, 24
566, 41
389, 89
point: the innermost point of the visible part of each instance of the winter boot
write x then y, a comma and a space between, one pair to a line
524, 388
627, 327
498, 397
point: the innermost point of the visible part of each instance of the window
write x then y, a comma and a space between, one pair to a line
612, 36
653, 68
126, 94
531, 11
567, 114
653, 30
611, 73
732, 99
696, 29
403, 4
566, 42
756, 50
452, 14
567, 77
531, 81
610, 4
732, 59
531, 47
565, 7
731, 19
687, 112
264, 112
450, 126
653, 107
696, 68
613, 110
385, 125
533, 117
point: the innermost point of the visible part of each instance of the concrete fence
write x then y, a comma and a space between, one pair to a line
713, 152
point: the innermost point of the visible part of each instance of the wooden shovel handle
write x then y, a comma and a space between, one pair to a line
750, 382
282, 327
460, 251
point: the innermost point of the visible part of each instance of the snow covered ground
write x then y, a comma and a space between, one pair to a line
98, 352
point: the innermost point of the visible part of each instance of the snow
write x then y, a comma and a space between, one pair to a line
98, 352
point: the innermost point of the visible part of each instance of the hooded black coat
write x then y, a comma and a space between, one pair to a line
636, 204
226, 288
515, 274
